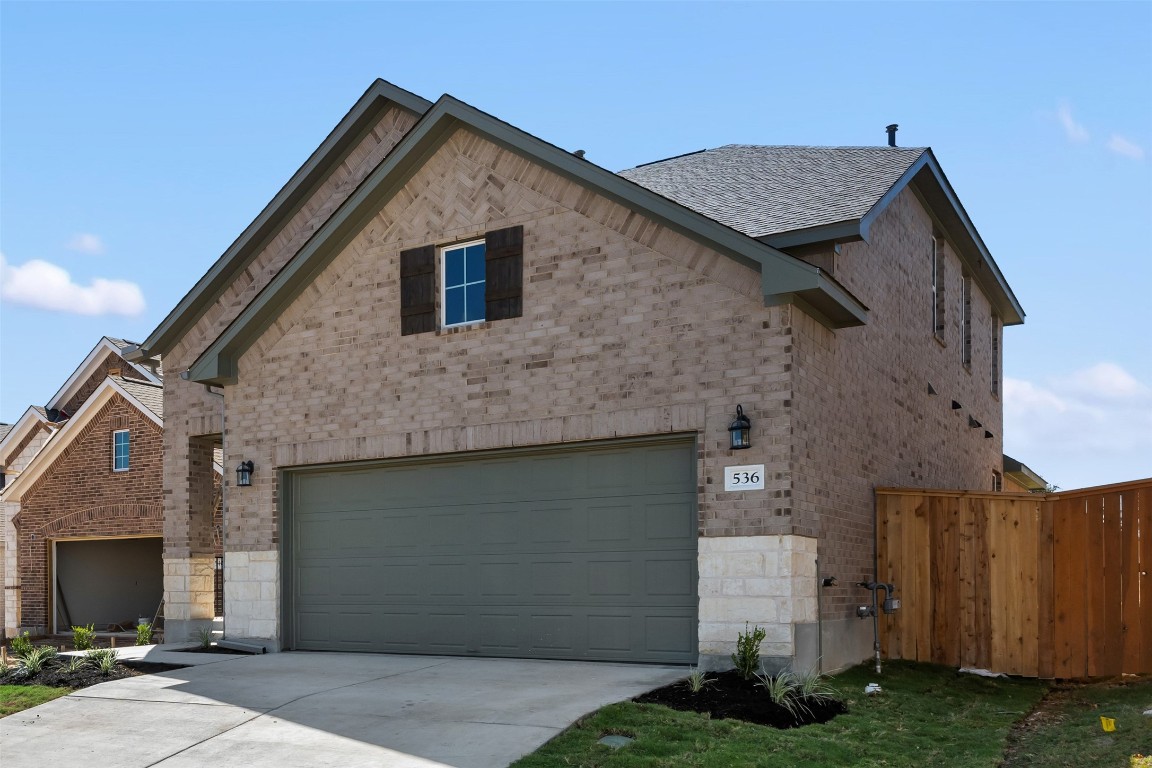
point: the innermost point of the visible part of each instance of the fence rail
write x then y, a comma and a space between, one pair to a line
1052, 585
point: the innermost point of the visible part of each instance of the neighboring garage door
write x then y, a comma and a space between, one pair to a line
107, 582
558, 554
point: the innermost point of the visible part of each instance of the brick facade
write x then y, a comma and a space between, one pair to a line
80, 496
629, 328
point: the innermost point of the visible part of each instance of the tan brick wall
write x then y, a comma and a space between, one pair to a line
190, 410
623, 321
80, 496
863, 413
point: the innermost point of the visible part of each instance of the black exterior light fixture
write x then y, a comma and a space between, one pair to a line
740, 430
244, 474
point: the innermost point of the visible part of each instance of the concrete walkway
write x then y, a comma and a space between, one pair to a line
320, 709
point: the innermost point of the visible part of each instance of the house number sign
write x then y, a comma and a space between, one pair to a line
746, 478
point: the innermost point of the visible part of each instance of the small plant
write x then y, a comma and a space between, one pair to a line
38, 659
20, 645
697, 680
74, 664
143, 634
205, 636
83, 637
104, 659
747, 656
783, 689
810, 687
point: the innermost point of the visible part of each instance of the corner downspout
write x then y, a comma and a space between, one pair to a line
875, 578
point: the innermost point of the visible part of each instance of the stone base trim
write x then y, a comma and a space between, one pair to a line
749, 581
252, 596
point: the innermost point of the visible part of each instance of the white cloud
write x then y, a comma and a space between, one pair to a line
46, 286
1072, 129
1123, 146
1091, 426
85, 242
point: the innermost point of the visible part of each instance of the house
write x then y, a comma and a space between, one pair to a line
1019, 478
81, 501
484, 393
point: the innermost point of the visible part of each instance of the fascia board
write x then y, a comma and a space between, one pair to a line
267, 224
88, 367
72, 427
217, 364
24, 425
841, 231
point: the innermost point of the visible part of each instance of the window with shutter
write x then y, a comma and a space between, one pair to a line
479, 280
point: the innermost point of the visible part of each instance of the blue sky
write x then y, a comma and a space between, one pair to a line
137, 140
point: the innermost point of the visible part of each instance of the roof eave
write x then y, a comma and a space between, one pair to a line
933, 186
218, 364
315, 170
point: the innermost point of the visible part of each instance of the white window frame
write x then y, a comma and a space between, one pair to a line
444, 283
937, 289
127, 452
994, 372
966, 323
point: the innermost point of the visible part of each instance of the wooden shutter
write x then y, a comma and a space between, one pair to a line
418, 290
504, 273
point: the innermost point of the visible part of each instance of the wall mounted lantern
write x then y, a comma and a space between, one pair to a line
740, 430
244, 474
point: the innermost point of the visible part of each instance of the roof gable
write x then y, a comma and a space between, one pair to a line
91, 365
784, 279
73, 427
31, 419
310, 176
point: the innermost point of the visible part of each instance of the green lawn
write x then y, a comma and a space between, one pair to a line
14, 698
926, 716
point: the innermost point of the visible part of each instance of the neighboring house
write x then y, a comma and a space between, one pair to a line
485, 387
1019, 478
82, 506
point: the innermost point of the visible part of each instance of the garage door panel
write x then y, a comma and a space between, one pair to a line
584, 554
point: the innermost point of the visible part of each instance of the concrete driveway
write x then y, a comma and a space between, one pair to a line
320, 709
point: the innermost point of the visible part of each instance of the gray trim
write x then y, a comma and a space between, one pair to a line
217, 364
843, 231
315, 171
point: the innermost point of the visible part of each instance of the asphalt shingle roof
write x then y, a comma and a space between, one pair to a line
766, 190
151, 396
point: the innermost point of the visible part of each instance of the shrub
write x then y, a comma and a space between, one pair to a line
38, 659
810, 686
747, 656
697, 680
205, 636
104, 659
20, 645
143, 634
783, 690
83, 637
74, 664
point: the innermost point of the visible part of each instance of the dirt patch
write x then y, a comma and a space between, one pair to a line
728, 695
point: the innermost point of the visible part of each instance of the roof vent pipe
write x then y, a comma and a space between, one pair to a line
892, 134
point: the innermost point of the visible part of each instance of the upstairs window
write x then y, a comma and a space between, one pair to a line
481, 280
938, 288
997, 481
966, 324
463, 270
994, 372
120, 445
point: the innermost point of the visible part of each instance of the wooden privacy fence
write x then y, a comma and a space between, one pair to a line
1049, 585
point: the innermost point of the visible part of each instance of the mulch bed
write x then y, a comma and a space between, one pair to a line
728, 695
58, 677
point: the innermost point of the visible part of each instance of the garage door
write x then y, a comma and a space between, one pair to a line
562, 554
